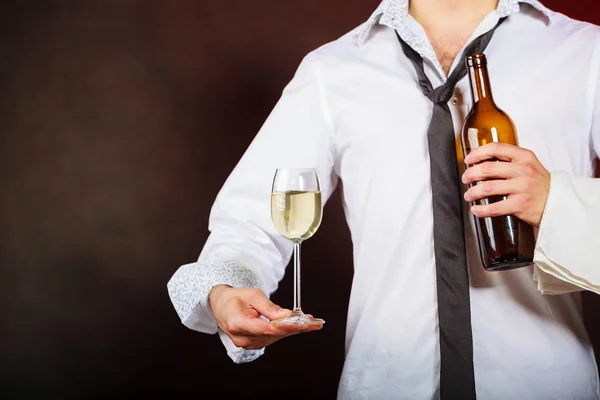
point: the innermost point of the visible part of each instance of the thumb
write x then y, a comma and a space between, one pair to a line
266, 307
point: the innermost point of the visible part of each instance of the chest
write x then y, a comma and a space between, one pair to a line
447, 46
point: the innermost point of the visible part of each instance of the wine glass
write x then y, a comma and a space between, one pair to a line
296, 212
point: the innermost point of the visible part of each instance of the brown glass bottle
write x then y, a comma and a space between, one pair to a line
504, 242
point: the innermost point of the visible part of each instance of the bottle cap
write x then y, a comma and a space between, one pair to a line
476, 60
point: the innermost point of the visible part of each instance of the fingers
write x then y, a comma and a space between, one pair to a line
254, 333
486, 189
248, 325
488, 170
261, 303
245, 324
523, 178
509, 206
500, 151
293, 329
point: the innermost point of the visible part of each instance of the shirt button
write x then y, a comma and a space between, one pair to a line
455, 100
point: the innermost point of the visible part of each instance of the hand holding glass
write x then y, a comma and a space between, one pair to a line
296, 212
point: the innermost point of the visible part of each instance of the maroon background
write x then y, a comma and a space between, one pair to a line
119, 121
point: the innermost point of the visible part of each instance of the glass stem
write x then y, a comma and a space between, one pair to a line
297, 276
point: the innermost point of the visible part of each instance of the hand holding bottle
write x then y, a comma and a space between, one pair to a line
523, 179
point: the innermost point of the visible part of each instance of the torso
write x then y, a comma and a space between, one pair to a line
526, 345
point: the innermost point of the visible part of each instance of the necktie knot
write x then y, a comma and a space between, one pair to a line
441, 94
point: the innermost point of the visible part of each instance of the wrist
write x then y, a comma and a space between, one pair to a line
214, 295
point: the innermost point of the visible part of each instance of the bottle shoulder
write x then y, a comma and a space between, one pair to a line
488, 117
489, 124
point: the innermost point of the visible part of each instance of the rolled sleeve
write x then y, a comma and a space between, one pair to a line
190, 286
568, 246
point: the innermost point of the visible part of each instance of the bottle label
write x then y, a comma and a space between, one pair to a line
473, 136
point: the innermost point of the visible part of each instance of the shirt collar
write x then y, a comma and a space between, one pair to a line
393, 13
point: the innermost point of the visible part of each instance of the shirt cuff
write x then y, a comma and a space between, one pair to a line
189, 289
549, 284
564, 247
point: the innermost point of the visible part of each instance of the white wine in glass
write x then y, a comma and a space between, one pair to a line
296, 212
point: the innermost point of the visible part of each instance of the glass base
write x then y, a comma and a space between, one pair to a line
297, 317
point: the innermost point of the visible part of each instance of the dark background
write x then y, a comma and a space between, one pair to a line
119, 121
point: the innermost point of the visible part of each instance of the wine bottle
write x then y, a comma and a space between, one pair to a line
505, 242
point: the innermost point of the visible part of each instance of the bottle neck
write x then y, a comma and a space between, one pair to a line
481, 90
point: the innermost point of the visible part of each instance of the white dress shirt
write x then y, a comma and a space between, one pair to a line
355, 112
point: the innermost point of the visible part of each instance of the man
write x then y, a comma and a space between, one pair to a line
358, 112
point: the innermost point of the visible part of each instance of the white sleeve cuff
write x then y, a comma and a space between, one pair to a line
189, 289
567, 239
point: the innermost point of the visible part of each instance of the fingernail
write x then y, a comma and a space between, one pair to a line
467, 159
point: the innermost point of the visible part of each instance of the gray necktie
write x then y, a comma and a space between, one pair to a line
457, 380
